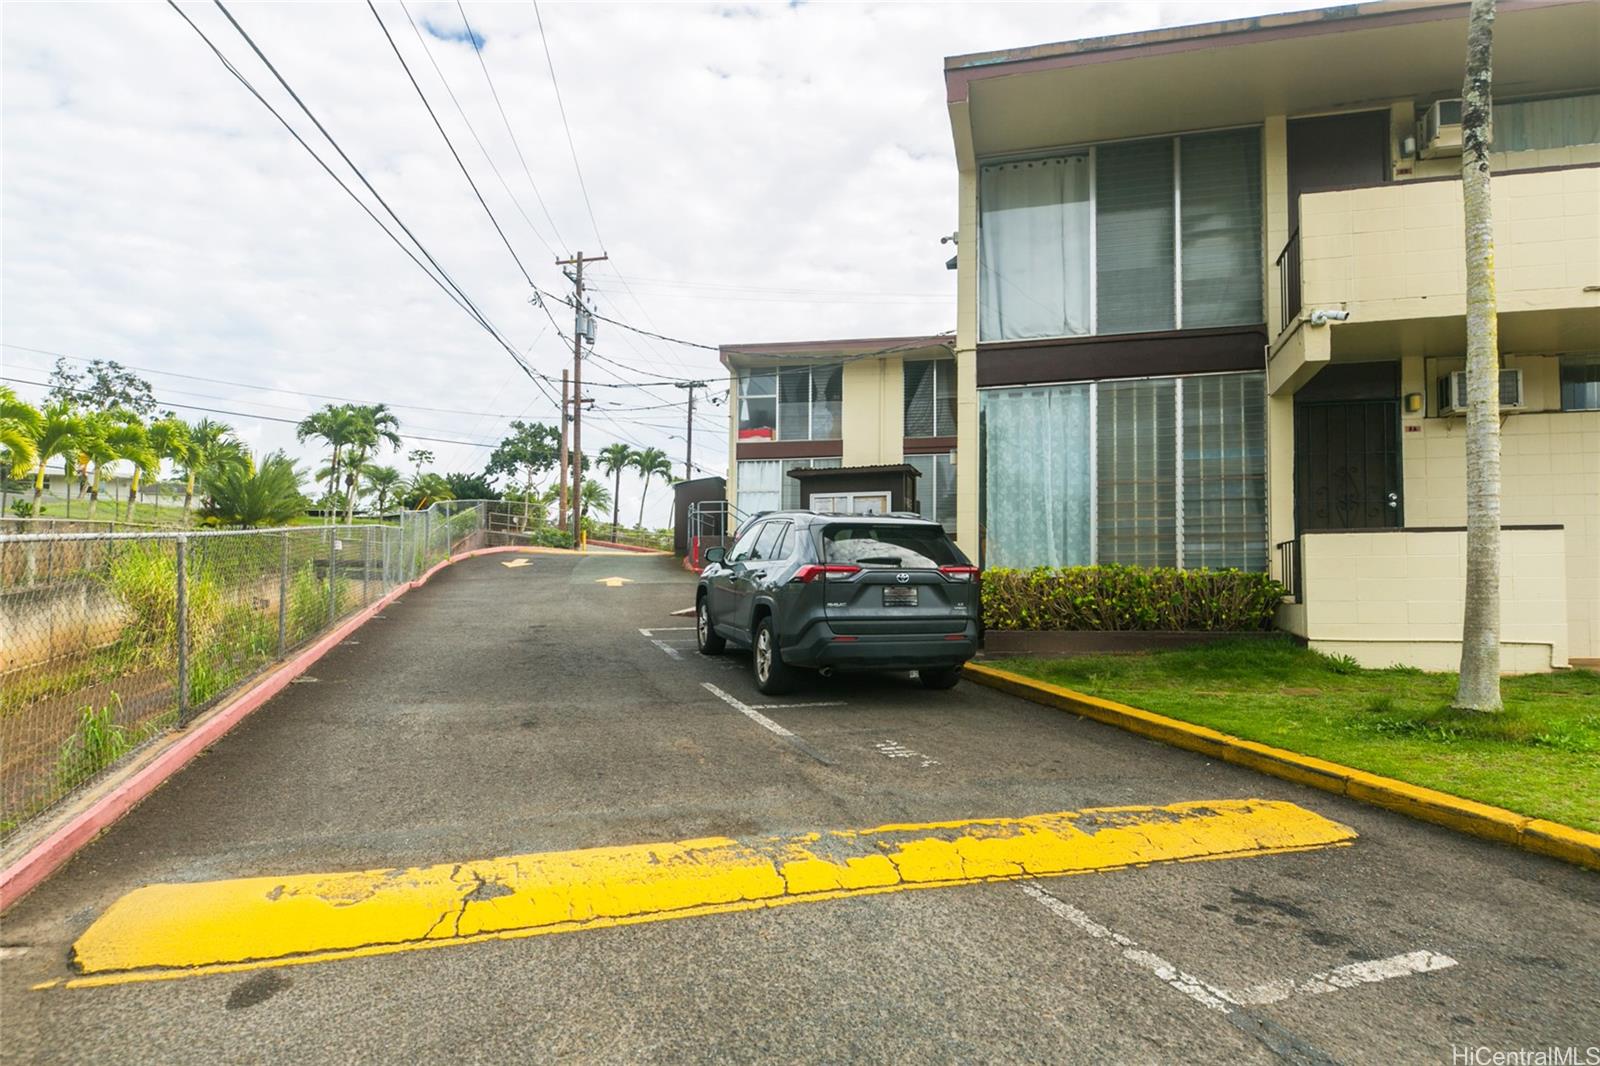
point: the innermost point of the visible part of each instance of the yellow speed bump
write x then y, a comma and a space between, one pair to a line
168, 930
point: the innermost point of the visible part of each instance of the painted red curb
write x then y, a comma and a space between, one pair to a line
627, 547
44, 858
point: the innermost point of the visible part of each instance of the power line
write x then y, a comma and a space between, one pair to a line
447, 142
562, 107
516, 144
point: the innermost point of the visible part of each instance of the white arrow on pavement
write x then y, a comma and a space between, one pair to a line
514, 563
612, 582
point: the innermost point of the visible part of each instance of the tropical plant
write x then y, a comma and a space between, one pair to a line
531, 449
105, 385
169, 439
113, 436
650, 462
252, 495
212, 447
614, 458
471, 487
335, 425
384, 482
1479, 683
373, 426
425, 489
19, 428
56, 438
595, 497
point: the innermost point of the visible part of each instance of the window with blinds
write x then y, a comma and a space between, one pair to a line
1158, 472
930, 398
1134, 216
1557, 122
1124, 237
1136, 472
808, 402
1580, 382
1224, 472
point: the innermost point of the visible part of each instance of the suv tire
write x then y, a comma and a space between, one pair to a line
773, 676
943, 677
709, 641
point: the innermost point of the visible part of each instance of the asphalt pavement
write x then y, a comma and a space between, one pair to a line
509, 710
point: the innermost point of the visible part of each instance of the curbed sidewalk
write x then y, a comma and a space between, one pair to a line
1537, 835
99, 810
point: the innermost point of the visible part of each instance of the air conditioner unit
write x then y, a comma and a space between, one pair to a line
1453, 392
1439, 132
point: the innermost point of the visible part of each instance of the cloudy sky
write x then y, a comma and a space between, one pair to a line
757, 172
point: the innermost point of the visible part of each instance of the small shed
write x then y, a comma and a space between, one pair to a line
685, 493
858, 489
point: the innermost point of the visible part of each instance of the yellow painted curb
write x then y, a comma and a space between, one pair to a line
1577, 846
165, 930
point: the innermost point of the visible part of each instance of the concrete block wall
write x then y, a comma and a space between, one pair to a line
1397, 597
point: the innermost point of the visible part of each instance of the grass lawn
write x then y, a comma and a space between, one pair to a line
1540, 757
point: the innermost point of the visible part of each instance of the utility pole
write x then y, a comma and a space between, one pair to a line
688, 458
579, 321
561, 478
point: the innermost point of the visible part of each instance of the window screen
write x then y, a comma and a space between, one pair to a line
936, 488
1224, 472
1134, 212
1136, 471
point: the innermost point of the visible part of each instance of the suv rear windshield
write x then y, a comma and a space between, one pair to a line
903, 547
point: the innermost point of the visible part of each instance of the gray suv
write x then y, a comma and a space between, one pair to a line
840, 592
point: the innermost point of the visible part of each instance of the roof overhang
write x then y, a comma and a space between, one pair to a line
1242, 70
744, 355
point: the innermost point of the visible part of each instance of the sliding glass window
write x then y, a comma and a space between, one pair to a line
936, 487
799, 403
1127, 237
930, 398
1149, 472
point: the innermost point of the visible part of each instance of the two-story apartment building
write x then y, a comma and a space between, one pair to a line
1211, 302
864, 410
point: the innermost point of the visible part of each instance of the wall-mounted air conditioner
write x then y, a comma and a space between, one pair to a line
1439, 132
1453, 392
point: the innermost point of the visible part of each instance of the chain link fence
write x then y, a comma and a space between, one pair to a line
110, 639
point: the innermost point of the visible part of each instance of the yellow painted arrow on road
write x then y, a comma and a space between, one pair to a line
612, 582
514, 563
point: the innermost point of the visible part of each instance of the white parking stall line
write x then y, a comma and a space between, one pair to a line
666, 629
672, 653
893, 749
793, 706
1227, 1000
765, 723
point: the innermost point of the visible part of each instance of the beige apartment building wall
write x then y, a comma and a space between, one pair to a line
872, 417
1388, 598
968, 462
733, 437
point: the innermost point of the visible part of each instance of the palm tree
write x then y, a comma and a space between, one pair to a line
614, 458
335, 424
385, 481
169, 439
649, 463
19, 426
373, 425
211, 445
427, 488
112, 436
57, 437
246, 496
595, 496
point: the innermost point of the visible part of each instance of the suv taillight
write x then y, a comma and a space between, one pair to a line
960, 573
811, 571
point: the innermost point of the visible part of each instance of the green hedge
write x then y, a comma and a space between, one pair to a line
1129, 597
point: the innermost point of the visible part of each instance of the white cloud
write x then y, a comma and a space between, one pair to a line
154, 213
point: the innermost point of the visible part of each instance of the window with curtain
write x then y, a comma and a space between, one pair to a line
1169, 216
1134, 213
759, 487
1221, 228
758, 405
936, 488
807, 403
1136, 473
1580, 382
1225, 472
1062, 488
930, 398
1033, 248
1037, 482
1558, 122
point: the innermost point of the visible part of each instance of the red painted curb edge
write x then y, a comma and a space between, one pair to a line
44, 858
641, 549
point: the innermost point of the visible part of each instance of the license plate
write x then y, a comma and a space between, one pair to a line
895, 596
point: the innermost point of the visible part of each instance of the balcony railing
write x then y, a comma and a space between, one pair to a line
1289, 566
1289, 281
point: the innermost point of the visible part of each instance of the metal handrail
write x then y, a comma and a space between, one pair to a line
1290, 295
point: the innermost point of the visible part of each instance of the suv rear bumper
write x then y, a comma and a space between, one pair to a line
822, 647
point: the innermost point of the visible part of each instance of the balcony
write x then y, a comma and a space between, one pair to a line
1394, 257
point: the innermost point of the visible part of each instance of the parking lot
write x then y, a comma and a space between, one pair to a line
509, 718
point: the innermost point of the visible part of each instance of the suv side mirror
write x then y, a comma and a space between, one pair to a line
714, 555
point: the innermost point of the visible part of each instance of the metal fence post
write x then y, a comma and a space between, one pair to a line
183, 629
366, 565
333, 598
283, 599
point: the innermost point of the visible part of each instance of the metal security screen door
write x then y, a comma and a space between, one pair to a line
1347, 465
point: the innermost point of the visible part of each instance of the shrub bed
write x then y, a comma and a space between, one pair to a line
1129, 598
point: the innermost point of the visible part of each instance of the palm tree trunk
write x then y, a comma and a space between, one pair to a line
94, 494
1479, 688
642, 494
133, 495
616, 501
188, 495
38, 487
